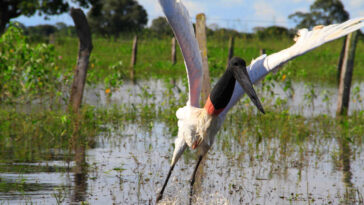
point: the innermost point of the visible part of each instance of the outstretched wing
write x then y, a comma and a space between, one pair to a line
179, 19
305, 42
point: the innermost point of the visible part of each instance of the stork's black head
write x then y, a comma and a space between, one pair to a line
236, 62
238, 67
221, 93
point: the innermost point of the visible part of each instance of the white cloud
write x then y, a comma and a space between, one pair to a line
230, 3
354, 7
356, 3
154, 9
360, 13
299, 1
152, 6
302, 9
264, 10
267, 11
194, 7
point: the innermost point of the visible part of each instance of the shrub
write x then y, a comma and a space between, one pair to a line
26, 72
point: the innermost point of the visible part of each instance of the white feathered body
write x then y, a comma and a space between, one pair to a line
197, 128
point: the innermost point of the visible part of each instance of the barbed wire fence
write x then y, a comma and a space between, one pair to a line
241, 24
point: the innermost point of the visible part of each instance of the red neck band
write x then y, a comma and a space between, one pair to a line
209, 107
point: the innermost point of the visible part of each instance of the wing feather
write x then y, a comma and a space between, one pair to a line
305, 42
179, 19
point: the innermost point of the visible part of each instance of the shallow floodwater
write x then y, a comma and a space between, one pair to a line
128, 165
306, 99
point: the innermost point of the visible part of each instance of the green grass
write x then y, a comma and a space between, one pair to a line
41, 135
153, 59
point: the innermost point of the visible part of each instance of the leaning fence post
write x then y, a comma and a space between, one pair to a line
173, 51
201, 39
346, 74
85, 48
133, 57
231, 49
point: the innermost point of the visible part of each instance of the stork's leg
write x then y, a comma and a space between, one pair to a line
160, 195
193, 177
180, 146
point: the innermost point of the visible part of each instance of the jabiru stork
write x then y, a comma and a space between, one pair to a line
197, 127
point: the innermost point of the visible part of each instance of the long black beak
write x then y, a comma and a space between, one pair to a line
241, 75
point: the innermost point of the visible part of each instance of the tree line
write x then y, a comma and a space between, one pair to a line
113, 18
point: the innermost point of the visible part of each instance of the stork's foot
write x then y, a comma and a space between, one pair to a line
191, 195
159, 197
192, 181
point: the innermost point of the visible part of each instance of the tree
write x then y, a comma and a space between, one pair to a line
161, 26
14, 8
116, 16
271, 32
41, 30
321, 12
61, 25
65, 30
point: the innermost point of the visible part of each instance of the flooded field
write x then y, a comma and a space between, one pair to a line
301, 98
248, 164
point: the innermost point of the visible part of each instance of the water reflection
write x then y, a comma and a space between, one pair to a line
351, 195
80, 170
197, 188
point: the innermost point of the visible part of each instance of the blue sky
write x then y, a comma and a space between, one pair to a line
242, 15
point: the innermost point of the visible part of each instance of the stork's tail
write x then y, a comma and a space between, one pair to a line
203, 124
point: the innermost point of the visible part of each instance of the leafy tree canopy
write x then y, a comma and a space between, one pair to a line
43, 29
161, 26
321, 12
271, 32
13, 8
116, 16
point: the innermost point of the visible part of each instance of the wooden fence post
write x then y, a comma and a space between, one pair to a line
262, 51
133, 57
85, 47
51, 39
201, 39
341, 58
346, 74
205, 88
173, 51
231, 49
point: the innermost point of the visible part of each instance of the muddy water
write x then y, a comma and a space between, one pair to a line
128, 166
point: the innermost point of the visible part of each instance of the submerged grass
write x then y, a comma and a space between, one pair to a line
34, 168
40, 135
22, 186
45, 135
